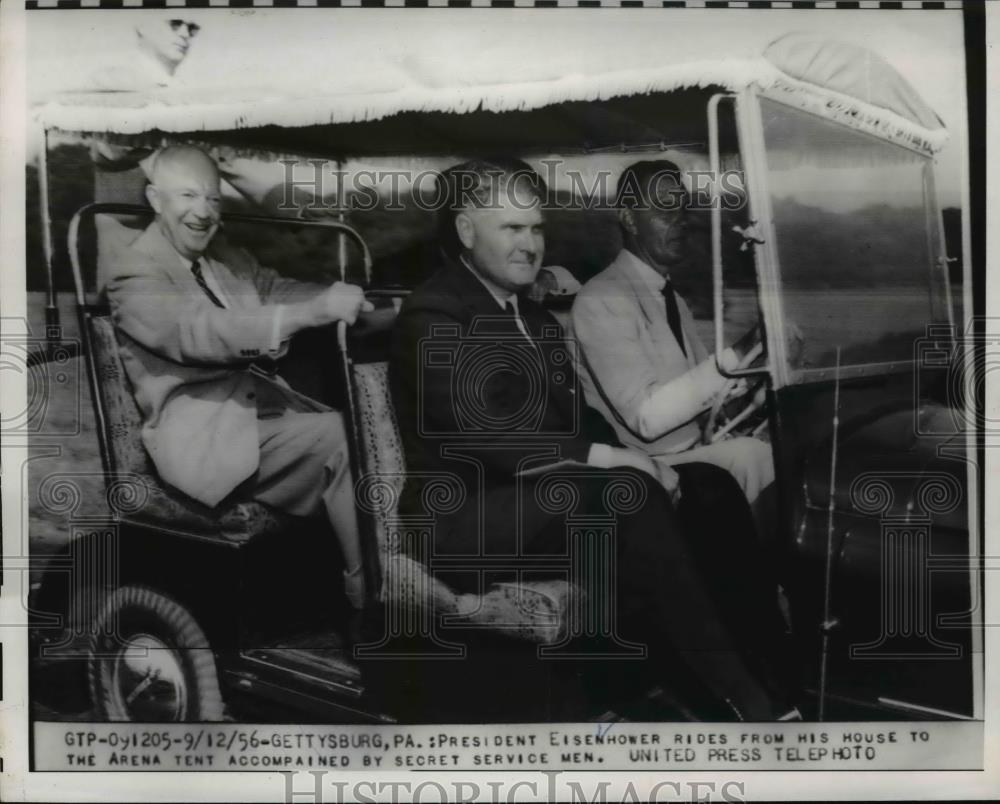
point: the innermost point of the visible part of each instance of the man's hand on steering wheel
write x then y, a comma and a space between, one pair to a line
747, 395
749, 340
746, 343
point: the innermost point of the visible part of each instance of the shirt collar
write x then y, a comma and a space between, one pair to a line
501, 302
653, 278
186, 263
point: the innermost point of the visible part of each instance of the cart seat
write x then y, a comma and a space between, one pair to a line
536, 611
164, 507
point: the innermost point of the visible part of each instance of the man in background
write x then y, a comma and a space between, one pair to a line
121, 172
160, 47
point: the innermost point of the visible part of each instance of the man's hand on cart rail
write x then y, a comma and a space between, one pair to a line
339, 302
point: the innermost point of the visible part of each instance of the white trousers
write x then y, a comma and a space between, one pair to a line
747, 459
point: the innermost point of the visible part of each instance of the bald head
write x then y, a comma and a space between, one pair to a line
184, 192
175, 158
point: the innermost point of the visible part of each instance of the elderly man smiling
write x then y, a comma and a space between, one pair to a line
198, 322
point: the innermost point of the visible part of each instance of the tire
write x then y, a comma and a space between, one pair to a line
149, 660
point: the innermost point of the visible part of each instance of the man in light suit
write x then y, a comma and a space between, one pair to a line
198, 324
646, 369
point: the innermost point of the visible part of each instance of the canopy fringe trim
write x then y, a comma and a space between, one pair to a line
176, 112
857, 114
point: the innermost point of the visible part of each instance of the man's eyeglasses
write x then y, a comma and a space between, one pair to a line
193, 27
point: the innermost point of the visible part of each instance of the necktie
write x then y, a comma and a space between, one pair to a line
673, 314
510, 310
200, 279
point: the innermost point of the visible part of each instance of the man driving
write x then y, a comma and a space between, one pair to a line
199, 325
646, 369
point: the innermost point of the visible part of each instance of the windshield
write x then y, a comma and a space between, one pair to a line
857, 240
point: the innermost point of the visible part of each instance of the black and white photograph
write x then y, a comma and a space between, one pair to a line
596, 399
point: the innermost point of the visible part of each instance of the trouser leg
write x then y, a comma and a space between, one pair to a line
748, 460
305, 467
662, 599
739, 571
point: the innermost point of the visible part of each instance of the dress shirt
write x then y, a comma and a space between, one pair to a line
679, 400
209, 272
600, 455
501, 301
652, 278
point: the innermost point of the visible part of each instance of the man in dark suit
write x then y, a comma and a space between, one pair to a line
485, 391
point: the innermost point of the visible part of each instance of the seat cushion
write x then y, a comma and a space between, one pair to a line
237, 521
536, 611
121, 414
134, 490
381, 447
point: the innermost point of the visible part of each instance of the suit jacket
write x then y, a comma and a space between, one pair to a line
464, 379
189, 360
628, 349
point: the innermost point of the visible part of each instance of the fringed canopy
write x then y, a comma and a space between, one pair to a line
851, 72
302, 104
840, 81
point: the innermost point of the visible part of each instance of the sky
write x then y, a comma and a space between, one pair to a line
365, 49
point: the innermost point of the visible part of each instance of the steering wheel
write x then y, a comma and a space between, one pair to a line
720, 422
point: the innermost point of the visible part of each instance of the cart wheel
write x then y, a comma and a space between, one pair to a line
149, 660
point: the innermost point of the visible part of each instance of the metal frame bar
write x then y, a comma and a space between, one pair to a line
83, 317
90, 210
714, 165
975, 438
751, 138
802, 376
936, 220
276, 689
718, 285
52, 325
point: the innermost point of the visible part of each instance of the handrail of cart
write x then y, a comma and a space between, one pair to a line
91, 210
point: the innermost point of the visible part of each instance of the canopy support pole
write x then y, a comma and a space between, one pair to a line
53, 329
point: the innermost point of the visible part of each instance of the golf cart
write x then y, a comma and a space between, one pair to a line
822, 228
